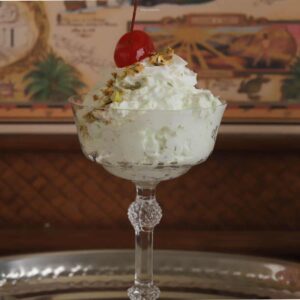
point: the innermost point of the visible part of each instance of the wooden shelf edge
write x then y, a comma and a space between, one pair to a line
284, 244
225, 142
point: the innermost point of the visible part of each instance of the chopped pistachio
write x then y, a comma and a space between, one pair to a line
89, 117
107, 101
132, 87
168, 53
124, 74
83, 131
157, 60
117, 96
162, 58
132, 70
138, 68
108, 91
110, 83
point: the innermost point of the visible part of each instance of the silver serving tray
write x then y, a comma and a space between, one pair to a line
180, 275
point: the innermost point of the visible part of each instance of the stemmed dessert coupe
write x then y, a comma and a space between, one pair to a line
146, 147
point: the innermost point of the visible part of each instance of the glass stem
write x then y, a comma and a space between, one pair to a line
144, 244
144, 214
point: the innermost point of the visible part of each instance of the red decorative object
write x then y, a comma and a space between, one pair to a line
133, 47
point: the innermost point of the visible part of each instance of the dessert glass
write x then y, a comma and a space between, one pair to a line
146, 147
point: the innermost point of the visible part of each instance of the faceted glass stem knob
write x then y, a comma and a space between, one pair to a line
144, 214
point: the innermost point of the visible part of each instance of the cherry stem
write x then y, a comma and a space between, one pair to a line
133, 15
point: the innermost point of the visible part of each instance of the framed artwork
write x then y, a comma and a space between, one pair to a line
247, 55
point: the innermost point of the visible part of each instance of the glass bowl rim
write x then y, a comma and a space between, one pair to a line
73, 102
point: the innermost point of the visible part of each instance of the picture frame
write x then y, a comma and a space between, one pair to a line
222, 47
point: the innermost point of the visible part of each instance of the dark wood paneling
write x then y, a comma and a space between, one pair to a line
231, 191
241, 200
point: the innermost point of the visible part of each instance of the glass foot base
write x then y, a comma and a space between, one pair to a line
140, 292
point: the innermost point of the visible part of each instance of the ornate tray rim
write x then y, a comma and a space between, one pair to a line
192, 267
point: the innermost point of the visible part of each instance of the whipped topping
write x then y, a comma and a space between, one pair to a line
154, 124
170, 86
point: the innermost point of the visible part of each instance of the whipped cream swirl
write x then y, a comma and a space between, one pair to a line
170, 86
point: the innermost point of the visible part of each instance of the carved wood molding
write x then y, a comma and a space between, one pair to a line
285, 244
257, 140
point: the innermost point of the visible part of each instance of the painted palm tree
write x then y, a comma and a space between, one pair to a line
53, 80
291, 85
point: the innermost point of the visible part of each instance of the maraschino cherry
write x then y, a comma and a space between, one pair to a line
133, 46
